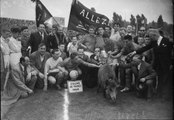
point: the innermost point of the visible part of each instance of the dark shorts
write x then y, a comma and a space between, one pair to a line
53, 74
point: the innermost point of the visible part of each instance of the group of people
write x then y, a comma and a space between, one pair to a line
49, 57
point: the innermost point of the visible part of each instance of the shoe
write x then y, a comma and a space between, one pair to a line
126, 89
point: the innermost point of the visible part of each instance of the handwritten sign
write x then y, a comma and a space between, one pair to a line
75, 86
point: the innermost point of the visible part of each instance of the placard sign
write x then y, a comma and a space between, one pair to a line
75, 86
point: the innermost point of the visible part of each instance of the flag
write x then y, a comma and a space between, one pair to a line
43, 16
81, 18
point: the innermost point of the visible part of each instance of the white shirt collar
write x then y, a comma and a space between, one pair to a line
159, 40
22, 67
139, 66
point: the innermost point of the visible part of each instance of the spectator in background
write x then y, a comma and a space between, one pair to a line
129, 30
40, 36
89, 41
15, 46
141, 41
24, 40
100, 42
107, 31
149, 54
62, 50
5, 56
73, 46
96, 55
52, 39
61, 36
38, 60
115, 35
141, 33
31, 73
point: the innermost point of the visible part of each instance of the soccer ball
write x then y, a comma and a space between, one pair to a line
73, 74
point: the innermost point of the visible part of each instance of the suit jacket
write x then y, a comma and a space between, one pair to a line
18, 77
146, 71
162, 53
36, 61
35, 40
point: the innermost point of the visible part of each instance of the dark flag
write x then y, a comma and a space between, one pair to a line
43, 16
81, 18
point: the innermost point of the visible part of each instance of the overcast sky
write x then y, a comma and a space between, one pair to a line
25, 9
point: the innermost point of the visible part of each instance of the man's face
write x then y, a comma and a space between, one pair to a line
142, 31
140, 40
16, 35
147, 40
42, 50
129, 29
74, 40
60, 30
97, 51
56, 55
62, 47
6, 34
91, 31
25, 32
100, 31
107, 29
122, 33
80, 52
41, 28
116, 27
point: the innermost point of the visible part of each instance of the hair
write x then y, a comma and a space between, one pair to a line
73, 55
91, 27
108, 27
99, 27
15, 30
22, 59
41, 44
128, 37
3, 30
23, 28
54, 50
117, 24
153, 32
161, 32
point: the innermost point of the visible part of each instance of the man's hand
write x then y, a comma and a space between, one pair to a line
131, 54
34, 72
142, 80
41, 75
45, 88
30, 91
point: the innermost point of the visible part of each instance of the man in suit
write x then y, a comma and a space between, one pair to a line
162, 60
145, 75
37, 37
18, 86
38, 60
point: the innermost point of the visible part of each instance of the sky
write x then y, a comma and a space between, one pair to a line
25, 9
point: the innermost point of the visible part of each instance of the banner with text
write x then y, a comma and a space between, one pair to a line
75, 86
81, 18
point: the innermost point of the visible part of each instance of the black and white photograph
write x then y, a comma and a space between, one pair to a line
86, 59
